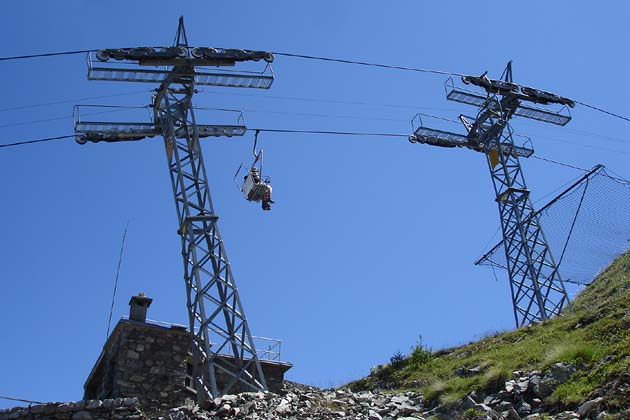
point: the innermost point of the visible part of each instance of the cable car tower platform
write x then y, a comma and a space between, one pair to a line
222, 342
538, 292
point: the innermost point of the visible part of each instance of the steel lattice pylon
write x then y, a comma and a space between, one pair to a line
537, 289
224, 354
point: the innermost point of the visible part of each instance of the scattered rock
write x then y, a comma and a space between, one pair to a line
464, 372
560, 372
524, 408
373, 415
586, 408
510, 414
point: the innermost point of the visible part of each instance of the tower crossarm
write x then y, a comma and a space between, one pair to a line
466, 96
509, 89
442, 138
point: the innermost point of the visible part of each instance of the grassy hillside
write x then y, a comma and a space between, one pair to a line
595, 336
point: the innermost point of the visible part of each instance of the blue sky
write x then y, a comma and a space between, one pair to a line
371, 241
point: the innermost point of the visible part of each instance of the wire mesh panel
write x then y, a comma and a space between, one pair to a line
586, 226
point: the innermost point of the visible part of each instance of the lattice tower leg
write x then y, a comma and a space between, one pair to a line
538, 292
222, 343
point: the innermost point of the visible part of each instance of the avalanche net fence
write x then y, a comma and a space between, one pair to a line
587, 226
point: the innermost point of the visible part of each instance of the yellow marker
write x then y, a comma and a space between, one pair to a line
493, 156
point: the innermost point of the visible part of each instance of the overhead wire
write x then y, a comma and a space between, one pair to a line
324, 115
368, 64
560, 163
326, 59
324, 100
303, 114
51, 54
16, 124
119, 108
47, 139
338, 133
302, 56
280, 53
603, 111
66, 101
585, 146
300, 131
20, 400
268, 130
590, 134
422, 70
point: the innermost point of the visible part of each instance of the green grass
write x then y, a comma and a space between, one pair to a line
576, 353
596, 327
472, 414
495, 378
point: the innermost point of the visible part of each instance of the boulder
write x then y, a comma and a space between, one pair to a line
373, 415
561, 372
585, 409
510, 414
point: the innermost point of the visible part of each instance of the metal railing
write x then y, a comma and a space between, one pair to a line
268, 348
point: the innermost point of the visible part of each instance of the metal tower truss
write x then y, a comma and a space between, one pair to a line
537, 289
224, 354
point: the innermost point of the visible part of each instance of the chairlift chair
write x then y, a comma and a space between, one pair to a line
255, 186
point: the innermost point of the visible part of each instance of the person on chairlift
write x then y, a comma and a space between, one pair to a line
253, 193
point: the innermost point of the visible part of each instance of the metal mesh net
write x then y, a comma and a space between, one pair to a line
586, 226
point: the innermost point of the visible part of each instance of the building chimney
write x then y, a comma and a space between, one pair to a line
138, 307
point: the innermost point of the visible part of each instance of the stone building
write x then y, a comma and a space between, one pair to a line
152, 361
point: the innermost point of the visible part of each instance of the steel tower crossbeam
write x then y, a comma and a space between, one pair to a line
224, 354
536, 287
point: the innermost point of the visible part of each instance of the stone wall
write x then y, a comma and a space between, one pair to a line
150, 360
143, 361
111, 409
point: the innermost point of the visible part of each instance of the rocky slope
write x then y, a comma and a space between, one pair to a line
518, 399
576, 363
